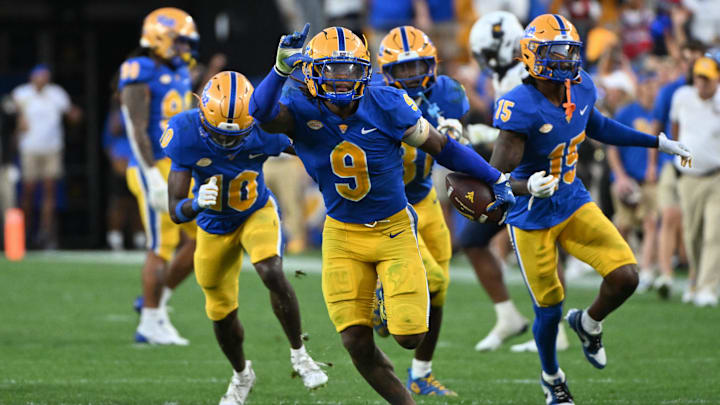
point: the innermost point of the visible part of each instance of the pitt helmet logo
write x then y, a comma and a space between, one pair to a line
470, 196
530, 32
314, 124
205, 98
166, 21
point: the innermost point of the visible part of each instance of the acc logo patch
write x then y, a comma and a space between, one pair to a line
165, 79
546, 128
203, 162
314, 124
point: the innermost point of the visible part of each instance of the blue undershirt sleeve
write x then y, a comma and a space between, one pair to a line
611, 132
463, 159
264, 101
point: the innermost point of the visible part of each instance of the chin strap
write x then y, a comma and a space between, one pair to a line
569, 105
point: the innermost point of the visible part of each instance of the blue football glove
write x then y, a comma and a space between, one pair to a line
289, 53
504, 197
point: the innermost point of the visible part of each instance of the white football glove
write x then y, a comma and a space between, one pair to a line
481, 133
542, 186
452, 128
675, 148
207, 194
157, 189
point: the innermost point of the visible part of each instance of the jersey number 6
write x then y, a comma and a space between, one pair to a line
348, 161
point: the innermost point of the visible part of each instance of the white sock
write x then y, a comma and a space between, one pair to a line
295, 353
165, 296
420, 368
552, 377
505, 310
590, 325
150, 314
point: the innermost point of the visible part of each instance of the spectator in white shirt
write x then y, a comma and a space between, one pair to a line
41, 106
695, 117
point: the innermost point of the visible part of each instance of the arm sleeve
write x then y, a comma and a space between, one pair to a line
461, 159
662, 105
264, 101
611, 132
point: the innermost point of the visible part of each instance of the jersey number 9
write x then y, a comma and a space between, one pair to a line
348, 161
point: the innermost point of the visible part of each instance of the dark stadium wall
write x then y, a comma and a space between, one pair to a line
85, 42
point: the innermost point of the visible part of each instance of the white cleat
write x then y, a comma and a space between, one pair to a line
157, 333
240, 386
311, 374
561, 344
504, 329
179, 340
705, 299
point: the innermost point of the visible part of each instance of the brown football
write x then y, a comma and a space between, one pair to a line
471, 197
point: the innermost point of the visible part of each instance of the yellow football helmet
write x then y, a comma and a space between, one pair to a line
340, 67
164, 27
551, 49
408, 60
224, 105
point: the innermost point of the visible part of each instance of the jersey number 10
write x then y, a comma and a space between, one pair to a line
242, 191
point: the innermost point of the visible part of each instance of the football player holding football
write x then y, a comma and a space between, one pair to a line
408, 60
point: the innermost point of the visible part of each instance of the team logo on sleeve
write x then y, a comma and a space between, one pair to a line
314, 124
203, 162
165, 79
546, 128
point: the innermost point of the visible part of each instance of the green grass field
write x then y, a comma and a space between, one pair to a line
66, 328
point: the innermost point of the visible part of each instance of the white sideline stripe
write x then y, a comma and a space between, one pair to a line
459, 272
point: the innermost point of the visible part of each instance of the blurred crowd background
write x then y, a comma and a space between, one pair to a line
639, 52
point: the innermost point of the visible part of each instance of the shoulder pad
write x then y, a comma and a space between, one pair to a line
140, 69
516, 110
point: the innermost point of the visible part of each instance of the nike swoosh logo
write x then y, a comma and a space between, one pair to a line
582, 112
254, 155
367, 131
391, 235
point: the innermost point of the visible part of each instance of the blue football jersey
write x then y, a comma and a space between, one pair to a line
447, 99
551, 145
239, 173
355, 161
170, 93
